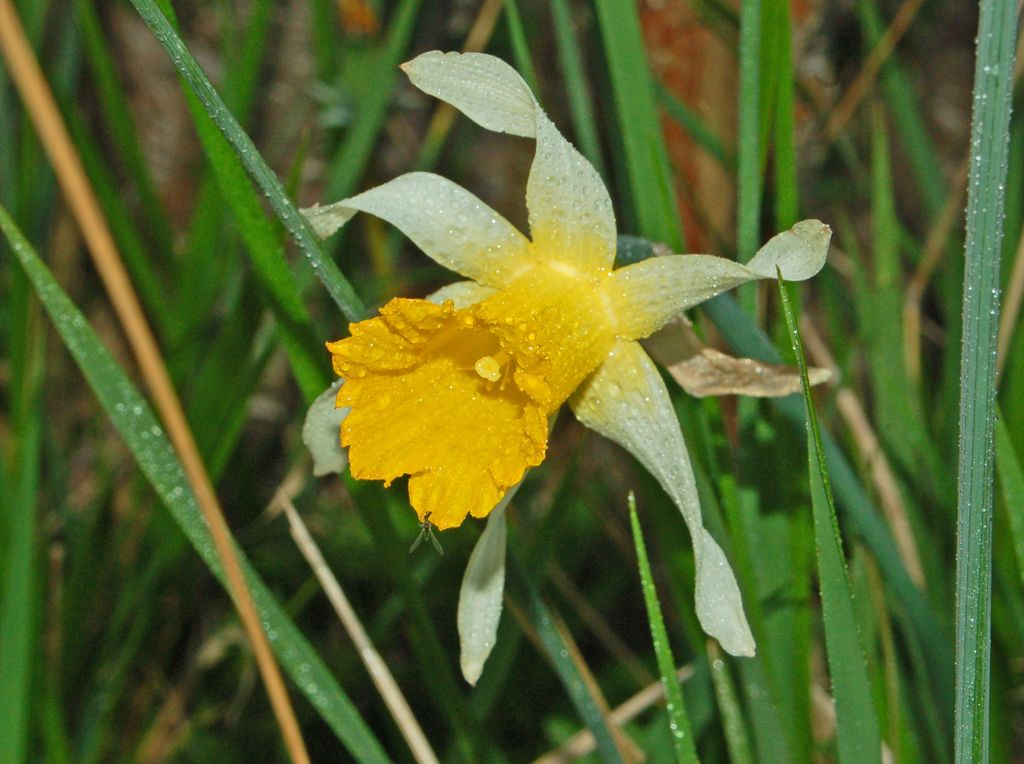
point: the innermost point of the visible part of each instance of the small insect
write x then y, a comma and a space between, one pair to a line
426, 531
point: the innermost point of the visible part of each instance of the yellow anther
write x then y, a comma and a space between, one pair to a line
488, 368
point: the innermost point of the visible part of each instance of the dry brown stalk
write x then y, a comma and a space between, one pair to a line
934, 249
855, 94
381, 675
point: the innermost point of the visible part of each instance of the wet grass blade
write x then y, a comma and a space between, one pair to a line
737, 739
134, 420
336, 284
859, 739
990, 125
679, 723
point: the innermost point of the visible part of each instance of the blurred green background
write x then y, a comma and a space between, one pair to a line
714, 126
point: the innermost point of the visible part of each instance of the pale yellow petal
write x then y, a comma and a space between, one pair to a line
320, 432
626, 401
484, 88
446, 221
644, 296
571, 216
482, 593
799, 252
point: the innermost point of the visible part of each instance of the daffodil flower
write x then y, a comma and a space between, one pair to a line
455, 391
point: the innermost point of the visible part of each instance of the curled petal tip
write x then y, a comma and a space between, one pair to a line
799, 252
718, 599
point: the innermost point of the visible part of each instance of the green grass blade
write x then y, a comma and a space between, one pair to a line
896, 398
903, 100
135, 421
520, 46
990, 126
858, 735
747, 339
748, 150
19, 594
701, 134
54, 733
24, 351
247, 52
576, 85
336, 284
647, 165
787, 199
737, 739
555, 647
679, 723
1011, 480
137, 254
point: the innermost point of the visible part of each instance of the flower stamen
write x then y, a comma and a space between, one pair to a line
490, 366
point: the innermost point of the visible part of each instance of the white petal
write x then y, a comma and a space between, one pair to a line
462, 293
480, 597
571, 217
626, 401
484, 88
644, 296
321, 432
443, 219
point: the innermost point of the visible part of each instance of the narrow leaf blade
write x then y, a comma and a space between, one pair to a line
858, 733
679, 722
